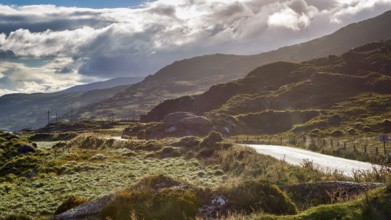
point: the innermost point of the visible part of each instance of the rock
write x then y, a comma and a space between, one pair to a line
176, 117
186, 123
89, 211
25, 149
186, 118
171, 129
216, 205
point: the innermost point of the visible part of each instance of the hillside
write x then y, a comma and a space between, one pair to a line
351, 92
122, 81
196, 75
20, 111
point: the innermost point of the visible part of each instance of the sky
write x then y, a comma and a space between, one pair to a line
47, 46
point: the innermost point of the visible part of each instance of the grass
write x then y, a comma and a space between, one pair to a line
373, 205
80, 176
96, 166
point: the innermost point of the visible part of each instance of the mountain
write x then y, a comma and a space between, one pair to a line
196, 75
122, 81
20, 111
331, 95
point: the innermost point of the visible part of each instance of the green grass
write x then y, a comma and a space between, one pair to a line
373, 205
90, 179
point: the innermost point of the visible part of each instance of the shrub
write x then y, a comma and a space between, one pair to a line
253, 196
189, 141
170, 152
70, 203
337, 133
168, 203
18, 217
211, 140
175, 204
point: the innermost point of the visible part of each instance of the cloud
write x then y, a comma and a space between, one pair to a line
87, 44
19, 77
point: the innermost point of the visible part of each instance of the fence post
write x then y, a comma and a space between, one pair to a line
377, 151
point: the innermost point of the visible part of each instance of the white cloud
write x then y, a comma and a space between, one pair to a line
18, 77
289, 19
138, 41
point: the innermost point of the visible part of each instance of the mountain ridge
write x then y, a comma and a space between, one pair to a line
121, 81
280, 96
196, 75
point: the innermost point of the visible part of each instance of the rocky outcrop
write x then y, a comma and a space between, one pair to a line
87, 211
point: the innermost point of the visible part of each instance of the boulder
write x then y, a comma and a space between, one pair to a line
90, 210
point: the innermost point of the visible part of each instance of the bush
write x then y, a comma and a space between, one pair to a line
168, 203
189, 141
257, 196
18, 217
170, 152
70, 203
211, 140
337, 133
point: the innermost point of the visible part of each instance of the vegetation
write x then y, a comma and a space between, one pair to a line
182, 167
297, 97
71, 202
254, 196
156, 197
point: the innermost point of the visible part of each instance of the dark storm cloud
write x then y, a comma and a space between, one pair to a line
322, 4
164, 10
55, 22
7, 54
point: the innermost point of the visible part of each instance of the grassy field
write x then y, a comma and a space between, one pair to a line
86, 177
96, 165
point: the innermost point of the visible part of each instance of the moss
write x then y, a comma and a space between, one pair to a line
188, 141
211, 140
144, 202
70, 203
18, 217
258, 196
337, 133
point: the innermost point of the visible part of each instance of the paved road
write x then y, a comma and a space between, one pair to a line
296, 156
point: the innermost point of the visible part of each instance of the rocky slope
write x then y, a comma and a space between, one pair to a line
332, 91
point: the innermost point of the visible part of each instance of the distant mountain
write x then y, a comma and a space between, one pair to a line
332, 95
122, 81
196, 75
18, 111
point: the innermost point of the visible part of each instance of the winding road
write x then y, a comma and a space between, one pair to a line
295, 156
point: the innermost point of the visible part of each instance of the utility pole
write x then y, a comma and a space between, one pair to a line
71, 115
48, 116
